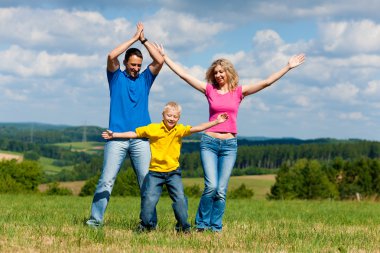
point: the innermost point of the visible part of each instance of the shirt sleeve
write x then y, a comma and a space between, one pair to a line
184, 130
111, 76
143, 132
149, 77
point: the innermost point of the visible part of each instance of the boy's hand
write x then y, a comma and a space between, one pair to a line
222, 117
108, 134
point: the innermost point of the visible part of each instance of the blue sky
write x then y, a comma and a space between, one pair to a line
53, 61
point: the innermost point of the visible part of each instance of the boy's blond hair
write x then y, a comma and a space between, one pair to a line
173, 105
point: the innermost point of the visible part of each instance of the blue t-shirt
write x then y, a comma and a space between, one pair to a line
129, 100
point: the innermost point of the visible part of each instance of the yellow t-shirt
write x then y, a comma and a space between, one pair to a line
165, 145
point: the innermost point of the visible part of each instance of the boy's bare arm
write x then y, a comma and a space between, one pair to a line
108, 134
199, 128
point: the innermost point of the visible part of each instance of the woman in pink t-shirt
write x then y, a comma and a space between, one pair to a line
218, 146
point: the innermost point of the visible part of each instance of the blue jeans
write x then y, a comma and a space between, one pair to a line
218, 158
115, 152
151, 192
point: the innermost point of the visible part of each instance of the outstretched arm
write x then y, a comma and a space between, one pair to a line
108, 134
158, 59
220, 119
194, 82
294, 61
112, 62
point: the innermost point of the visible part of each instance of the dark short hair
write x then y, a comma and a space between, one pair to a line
132, 51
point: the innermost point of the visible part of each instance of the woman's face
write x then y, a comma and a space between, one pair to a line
220, 75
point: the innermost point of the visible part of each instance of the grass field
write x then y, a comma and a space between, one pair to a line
36, 223
89, 146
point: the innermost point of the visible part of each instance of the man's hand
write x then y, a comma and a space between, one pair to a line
139, 32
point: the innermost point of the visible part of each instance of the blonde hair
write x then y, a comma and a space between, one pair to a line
232, 75
173, 105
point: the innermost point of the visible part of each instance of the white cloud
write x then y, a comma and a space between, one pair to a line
346, 92
302, 101
373, 88
351, 36
352, 116
24, 62
61, 30
182, 30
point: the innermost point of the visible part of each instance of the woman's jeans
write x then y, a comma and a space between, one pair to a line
115, 152
151, 192
218, 158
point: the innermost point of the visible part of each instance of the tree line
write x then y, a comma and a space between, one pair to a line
337, 179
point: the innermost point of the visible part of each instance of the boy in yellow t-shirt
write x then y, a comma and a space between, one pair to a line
165, 143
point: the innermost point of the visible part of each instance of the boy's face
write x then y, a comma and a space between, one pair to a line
170, 117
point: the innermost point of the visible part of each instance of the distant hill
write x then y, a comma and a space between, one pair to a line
50, 133
33, 125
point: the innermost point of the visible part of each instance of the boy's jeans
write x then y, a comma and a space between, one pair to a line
151, 192
115, 152
218, 158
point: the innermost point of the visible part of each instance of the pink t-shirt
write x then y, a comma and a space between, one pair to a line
219, 103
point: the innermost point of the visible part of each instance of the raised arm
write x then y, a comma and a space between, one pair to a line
108, 134
158, 59
199, 128
112, 62
176, 68
293, 62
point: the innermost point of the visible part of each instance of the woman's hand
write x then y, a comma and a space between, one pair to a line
296, 60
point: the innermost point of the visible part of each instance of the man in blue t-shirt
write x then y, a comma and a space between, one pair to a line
129, 91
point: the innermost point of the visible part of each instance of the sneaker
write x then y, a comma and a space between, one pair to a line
141, 228
183, 230
93, 223
200, 230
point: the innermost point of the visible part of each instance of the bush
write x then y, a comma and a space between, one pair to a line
31, 155
125, 185
54, 189
20, 177
193, 191
242, 192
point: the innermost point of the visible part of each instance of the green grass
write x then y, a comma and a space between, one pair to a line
30, 223
90, 146
49, 168
259, 184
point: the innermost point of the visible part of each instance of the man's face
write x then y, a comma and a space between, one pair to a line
133, 65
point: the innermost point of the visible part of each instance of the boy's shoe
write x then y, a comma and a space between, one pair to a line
141, 228
183, 230
200, 230
93, 223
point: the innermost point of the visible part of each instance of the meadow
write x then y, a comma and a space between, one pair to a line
40, 223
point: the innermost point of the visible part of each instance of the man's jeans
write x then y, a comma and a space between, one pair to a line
218, 158
151, 192
115, 152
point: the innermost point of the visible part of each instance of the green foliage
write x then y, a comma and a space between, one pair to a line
20, 177
89, 187
242, 192
31, 155
54, 189
193, 191
339, 179
304, 180
125, 185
